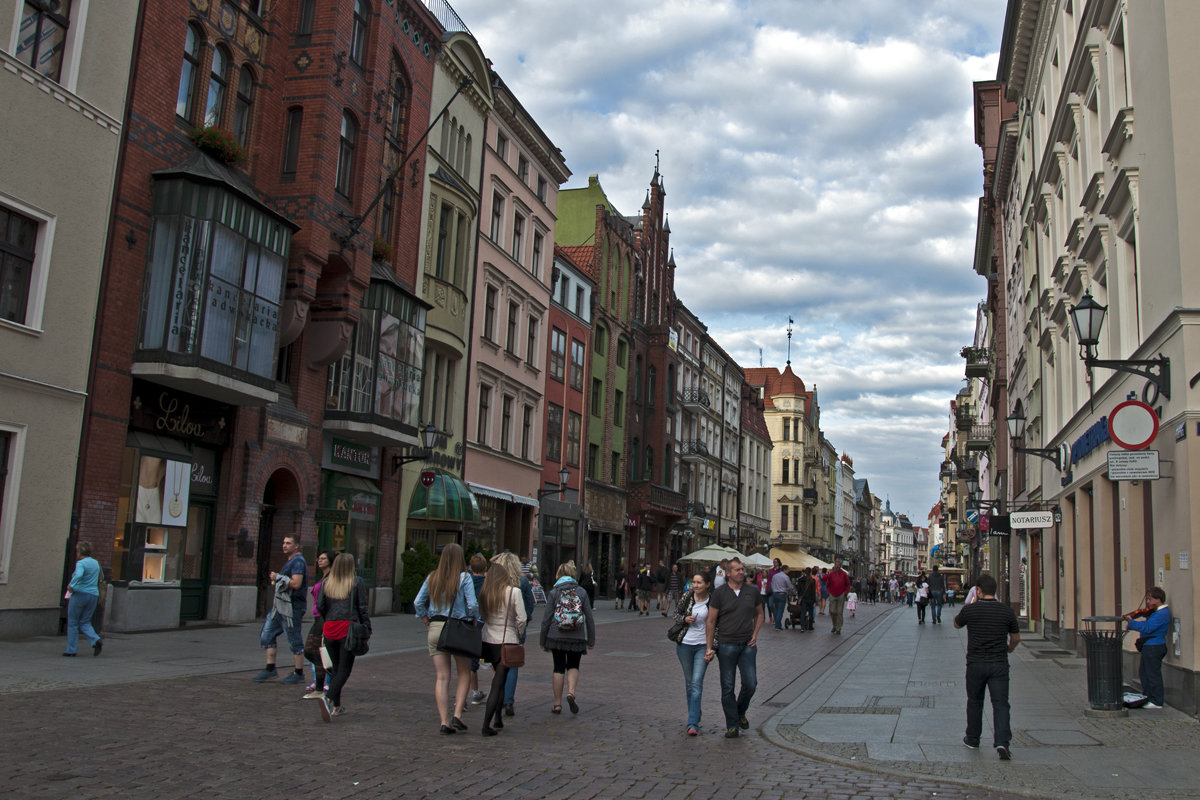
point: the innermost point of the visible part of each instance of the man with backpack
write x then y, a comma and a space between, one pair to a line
735, 614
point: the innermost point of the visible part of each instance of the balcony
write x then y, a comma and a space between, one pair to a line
979, 361
667, 500
964, 417
810, 455
694, 451
809, 498
695, 400
979, 437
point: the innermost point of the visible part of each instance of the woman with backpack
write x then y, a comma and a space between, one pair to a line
568, 631
447, 593
342, 600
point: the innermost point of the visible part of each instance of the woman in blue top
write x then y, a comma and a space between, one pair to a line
447, 592
83, 593
1153, 632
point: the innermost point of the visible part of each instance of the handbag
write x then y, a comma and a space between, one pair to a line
1140, 643
358, 635
676, 632
511, 655
461, 637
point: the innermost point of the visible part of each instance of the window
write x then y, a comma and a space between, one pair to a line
787, 431
43, 36
307, 12
506, 412
614, 468
541, 188
574, 426
291, 146
501, 146
785, 471
489, 313
214, 279
497, 217
597, 397
535, 260
531, 340
622, 352
18, 250
783, 525
481, 425
243, 105
526, 430
399, 110
345, 163
618, 408
579, 309
185, 99
577, 365
517, 237
651, 385
637, 380
795, 518
216, 89
358, 33
444, 242
510, 340
558, 354
554, 423
600, 345
593, 460
523, 168
387, 212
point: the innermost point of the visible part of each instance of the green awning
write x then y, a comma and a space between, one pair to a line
355, 484
448, 498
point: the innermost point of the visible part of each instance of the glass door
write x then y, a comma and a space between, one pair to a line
197, 553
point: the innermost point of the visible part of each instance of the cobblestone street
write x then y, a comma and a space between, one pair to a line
223, 736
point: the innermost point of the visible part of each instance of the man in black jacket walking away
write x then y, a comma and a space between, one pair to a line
992, 633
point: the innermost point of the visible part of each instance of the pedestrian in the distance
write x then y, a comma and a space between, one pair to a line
823, 599
1153, 646
807, 589
852, 603
937, 594
780, 587
477, 566
343, 599
674, 588
312, 642
692, 610
568, 631
922, 595
448, 592
588, 581
992, 633
837, 583
83, 593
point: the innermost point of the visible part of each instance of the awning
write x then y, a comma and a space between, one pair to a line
798, 558
162, 445
447, 498
356, 484
501, 494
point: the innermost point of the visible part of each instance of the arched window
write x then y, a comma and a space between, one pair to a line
358, 34
399, 112
184, 101
345, 163
216, 88
242, 107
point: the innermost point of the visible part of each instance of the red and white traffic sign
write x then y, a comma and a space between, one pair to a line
1133, 425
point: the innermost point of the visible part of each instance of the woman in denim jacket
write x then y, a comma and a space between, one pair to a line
447, 592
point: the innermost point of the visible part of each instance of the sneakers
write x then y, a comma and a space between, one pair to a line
731, 733
1004, 753
266, 675
337, 712
1151, 705
967, 742
693, 731
477, 698
311, 687
327, 709
97, 647
295, 677
313, 694
745, 723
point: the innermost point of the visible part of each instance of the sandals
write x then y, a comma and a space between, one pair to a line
571, 702
555, 709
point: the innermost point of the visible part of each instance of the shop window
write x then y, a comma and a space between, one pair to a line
43, 36
214, 282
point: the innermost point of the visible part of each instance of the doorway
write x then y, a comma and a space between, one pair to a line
197, 550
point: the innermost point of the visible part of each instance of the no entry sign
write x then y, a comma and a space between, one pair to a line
1133, 425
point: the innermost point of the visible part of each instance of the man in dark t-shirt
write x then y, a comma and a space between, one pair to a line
992, 633
295, 574
735, 613
937, 594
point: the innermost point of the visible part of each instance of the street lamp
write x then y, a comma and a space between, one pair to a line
1088, 318
563, 477
1016, 432
428, 437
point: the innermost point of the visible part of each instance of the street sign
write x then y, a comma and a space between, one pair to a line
1133, 465
972, 516
1019, 520
1133, 425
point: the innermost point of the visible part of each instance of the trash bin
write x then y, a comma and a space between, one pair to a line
1103, 636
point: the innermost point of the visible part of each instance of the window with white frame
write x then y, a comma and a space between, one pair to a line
531, 332
12, 440
497, 229
514, 318
535, 259
42, 41
485, 402
489, 313
24, 255
506, 421
518, 237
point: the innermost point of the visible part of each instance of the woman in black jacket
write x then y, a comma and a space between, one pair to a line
343, 598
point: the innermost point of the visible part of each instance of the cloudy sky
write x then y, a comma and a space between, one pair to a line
820, 164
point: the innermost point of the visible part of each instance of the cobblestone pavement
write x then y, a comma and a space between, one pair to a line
223, 736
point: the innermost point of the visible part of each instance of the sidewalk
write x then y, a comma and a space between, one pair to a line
896, 703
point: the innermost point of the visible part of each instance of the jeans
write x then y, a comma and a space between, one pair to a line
691, 658
937, 599
778, 603
1149, 671
807, 617
837, 605
343, 664
274, 626
733, 659
510, 682
80, 608
993, 677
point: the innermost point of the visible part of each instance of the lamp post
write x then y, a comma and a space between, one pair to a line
1016, 432
563, 477
1088, 318
428, 437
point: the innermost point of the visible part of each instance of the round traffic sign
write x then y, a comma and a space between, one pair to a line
1133, 425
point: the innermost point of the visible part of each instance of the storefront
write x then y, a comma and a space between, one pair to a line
170, 479
441, 511
348, 518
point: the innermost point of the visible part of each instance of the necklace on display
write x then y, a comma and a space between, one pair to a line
175, 507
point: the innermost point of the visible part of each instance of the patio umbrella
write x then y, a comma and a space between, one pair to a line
710, 554
758, 560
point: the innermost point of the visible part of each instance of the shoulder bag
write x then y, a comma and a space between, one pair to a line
358, 635
460, 636
511, 655
676, 632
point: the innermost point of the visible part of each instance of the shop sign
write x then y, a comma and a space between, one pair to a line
1133, 465
1092, 438
348, 454
204, 472
1020, 520
172, 413
632, 520
427, 479
331, 516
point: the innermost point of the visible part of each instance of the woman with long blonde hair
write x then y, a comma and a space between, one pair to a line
342, 600
504, 619
568, 631
447, 592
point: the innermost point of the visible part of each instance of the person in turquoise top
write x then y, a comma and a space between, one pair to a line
83, 595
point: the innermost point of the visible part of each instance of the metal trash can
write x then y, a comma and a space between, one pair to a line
1103, 636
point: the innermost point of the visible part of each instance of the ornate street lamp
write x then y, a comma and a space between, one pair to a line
428, 437
1088, 318
1016, 432
563, 477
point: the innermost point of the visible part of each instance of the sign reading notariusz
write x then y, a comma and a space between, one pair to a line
1030, 519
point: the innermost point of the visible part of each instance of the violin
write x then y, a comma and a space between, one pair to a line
1140, 613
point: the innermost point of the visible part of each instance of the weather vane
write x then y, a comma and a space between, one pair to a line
790, 323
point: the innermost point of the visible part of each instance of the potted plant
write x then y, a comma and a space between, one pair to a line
218, 143
381, 250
